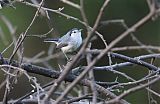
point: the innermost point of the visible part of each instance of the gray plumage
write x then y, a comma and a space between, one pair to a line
69, 42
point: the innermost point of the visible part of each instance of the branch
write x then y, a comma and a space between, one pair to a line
132, 90
55, 74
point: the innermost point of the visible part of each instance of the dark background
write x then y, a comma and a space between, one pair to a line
130, 11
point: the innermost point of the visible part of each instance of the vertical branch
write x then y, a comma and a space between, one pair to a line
83, 14
91, 77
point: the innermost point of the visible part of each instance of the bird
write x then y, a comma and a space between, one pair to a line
70, 42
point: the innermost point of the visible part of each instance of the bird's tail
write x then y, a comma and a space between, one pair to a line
51, 40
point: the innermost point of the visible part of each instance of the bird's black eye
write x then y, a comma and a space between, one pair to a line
74, 31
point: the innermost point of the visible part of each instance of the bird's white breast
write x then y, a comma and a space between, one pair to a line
68, 48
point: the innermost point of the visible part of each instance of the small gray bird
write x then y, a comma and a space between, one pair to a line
69, 42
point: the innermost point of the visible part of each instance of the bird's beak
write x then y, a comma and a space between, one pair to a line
80, 29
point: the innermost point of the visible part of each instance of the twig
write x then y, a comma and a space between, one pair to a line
71, 4
23, 36
136, 61
134, 89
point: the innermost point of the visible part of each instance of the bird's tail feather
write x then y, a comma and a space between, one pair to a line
51, 40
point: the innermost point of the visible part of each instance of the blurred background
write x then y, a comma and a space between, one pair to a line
130, 11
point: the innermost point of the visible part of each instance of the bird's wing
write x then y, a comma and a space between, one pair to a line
64, 38
63, 41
